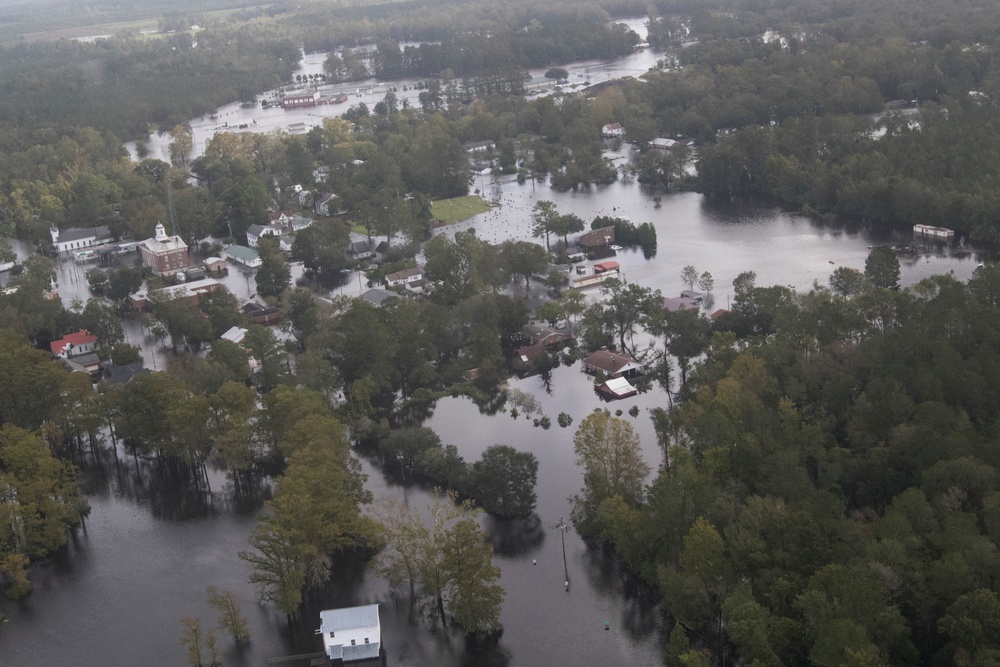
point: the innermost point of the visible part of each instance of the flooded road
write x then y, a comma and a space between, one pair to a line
231, 117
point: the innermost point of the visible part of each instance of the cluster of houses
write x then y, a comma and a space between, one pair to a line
613, 369
616, 131
78, 353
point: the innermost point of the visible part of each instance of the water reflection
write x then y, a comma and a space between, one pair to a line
513, 538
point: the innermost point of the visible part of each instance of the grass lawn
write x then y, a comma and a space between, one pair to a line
448, 211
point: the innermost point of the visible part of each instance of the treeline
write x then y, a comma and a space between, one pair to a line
829, 492
124, 85
326, 28
933, 168
473, 54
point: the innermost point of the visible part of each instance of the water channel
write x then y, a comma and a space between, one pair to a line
116, 594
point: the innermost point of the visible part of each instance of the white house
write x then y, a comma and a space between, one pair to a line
360, 250
352, 633
404, 277
256, 232
327, 205
74, 344
280, 217
612, 130
479, 146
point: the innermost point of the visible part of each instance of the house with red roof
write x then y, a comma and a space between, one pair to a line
612, 130
74, 344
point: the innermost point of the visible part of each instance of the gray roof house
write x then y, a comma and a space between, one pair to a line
351, 633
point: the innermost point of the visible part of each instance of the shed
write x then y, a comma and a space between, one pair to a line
215, 265
616, 388
351, 633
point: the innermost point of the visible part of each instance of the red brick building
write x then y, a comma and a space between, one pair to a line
300, 100
165, 255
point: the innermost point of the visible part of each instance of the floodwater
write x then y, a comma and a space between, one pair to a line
116, 595
370, 92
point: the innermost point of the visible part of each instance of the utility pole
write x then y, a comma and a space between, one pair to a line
562, 532
173, 213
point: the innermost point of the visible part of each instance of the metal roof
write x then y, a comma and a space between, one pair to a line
349, 617
77, 234
242, 252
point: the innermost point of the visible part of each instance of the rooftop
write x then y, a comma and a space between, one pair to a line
404, 274
69, 341
242, 252
349, 618
165, 244
376, 296
608, 361
675, 303
75, 234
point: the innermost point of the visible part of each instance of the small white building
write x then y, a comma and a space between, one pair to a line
352, 633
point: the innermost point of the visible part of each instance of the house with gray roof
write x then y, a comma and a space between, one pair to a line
351, 633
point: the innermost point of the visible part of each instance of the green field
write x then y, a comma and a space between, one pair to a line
448, 211
67, 22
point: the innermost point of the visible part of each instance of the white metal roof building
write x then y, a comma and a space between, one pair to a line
351, 633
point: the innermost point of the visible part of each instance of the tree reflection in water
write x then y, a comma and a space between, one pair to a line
513, 538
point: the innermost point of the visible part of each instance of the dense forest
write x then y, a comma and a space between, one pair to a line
830, 488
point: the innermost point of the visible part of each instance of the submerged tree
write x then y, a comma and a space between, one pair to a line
504, 481
608, 449
231, 618
314, 515
451, 559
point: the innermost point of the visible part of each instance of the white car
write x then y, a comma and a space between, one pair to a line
616, 248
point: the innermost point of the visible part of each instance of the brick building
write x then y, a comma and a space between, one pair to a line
165, 255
